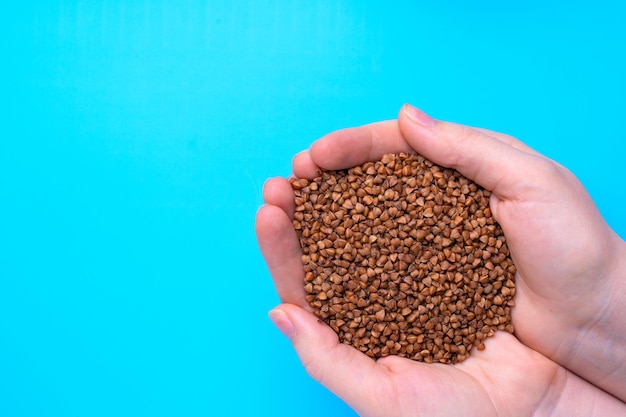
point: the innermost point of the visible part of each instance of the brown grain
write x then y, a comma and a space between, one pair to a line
403, 257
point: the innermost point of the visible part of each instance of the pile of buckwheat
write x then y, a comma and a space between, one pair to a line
403, 257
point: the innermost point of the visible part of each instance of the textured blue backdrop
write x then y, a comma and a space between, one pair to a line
135, 137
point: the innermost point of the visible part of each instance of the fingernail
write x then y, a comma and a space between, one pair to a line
282, 322
418, 116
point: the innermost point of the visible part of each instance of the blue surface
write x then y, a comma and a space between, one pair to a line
135, 138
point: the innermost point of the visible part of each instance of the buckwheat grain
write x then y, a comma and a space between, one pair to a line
403, 257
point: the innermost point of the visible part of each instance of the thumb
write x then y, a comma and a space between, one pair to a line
345, 371
498, 162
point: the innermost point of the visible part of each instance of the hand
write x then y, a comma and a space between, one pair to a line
560, 293
505, 379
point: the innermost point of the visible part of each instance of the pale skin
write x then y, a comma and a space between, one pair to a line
568, 354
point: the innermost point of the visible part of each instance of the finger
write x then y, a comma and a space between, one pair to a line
281, 250
303, 166
344, 370
278, 192
495, 164
354, 146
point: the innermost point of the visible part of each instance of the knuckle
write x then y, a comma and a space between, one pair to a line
468, 134
314, 369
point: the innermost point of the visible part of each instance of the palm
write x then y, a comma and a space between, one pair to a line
560, 266
486, 384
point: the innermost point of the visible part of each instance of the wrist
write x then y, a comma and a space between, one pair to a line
598, 351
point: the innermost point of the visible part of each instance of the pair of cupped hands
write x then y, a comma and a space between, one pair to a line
568, 354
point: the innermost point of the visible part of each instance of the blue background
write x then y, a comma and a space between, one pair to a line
135, 138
